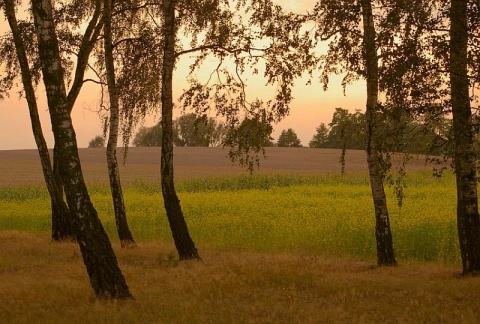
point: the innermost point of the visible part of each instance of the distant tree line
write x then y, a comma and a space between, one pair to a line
194, 131
346, 130
399, 133
188, 130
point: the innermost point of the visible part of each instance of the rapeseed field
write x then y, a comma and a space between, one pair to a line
328, 215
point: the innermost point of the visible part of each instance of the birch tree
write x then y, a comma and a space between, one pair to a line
183, 242
124, 234
435, 69
106, 277
383, 234
61, 225
465, 157
217, 29
79, 45
353, 50
76, 41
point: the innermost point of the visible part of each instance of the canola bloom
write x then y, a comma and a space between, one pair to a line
327, 215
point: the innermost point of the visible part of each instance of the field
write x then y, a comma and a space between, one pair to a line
291, 244
190, 162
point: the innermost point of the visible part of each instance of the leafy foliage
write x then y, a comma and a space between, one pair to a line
251, 36
248, 140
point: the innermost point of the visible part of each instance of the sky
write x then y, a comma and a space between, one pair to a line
310, 107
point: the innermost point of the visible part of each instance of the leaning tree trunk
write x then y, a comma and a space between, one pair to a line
106, 277
383, 234
61, 223
60, 227
123, 230
183, 242
468, 220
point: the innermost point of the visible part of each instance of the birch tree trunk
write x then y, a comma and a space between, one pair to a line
383, 234
106, 277
61, 221
183, 242
123, 230
61, 228
468, 220
92, 31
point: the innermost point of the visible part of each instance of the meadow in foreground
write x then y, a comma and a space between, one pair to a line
45, 282
275, 249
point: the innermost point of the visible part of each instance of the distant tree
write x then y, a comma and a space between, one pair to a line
288, 138
399, 131
218, 132
320, 139
201, 131
347, 131
191, 130
402, 132
148, 136
188, 130
97, 141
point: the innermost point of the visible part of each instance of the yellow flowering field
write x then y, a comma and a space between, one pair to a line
325, 215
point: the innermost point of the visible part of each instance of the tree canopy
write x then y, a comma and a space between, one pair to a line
188, 130
97, 141
288, 138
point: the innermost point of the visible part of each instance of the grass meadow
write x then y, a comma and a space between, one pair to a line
275, 248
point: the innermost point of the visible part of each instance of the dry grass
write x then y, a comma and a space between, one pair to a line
46, 282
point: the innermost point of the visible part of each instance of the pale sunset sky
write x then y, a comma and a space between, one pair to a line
310, 107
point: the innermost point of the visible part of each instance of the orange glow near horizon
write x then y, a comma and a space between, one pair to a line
310, 107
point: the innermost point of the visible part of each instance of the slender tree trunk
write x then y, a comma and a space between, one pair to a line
468, 220
123, 230
383, 234
106, 277
62, 227
183, 242
61, 222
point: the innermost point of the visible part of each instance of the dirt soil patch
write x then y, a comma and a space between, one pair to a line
19, 167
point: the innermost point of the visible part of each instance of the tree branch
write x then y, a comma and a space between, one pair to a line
143, 6
221, 48
88, 42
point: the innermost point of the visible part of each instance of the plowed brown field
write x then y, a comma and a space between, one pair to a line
23, 166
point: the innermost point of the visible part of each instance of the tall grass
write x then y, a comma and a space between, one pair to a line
328, 215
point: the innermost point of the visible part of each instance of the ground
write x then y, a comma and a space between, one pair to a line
23, 166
